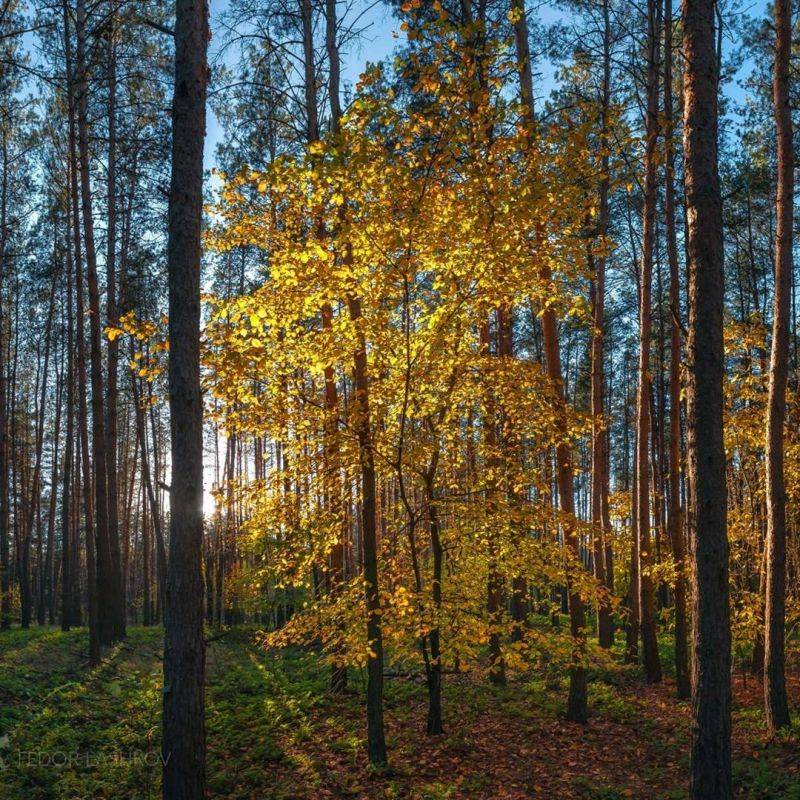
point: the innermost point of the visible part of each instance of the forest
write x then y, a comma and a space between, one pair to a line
399, 399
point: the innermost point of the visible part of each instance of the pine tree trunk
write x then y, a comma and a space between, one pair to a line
711, 634
601, 522
776, 705
647, 614
83, 418
107, 587
5, 559
112, 316
183, 739
67, 578
676, 526
333, 483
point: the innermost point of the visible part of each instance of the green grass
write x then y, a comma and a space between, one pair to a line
68, 732
79, 733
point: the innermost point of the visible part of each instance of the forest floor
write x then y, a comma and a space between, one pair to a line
70, 733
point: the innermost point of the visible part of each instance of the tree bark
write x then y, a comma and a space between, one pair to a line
711, 634
376, 745
775, 703
112, 318
183, 741
333, 483
647, 614
676, 518
67, 578
108, 589
80, 315
577, 710
5, 560
600, 484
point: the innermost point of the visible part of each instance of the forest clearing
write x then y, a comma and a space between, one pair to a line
274, 731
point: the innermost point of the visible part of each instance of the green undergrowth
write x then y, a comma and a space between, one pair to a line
68, 732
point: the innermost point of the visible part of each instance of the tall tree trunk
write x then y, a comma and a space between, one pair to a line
676, 518
711, 633
577, 710
632, 628
600, 486
112, 317
775, 703
108, 590
577, 701
34, 500
5, 560
183, 741
80, 316
333, 483
647, 613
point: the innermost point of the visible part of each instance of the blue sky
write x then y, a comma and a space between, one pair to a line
376, 43
380, 39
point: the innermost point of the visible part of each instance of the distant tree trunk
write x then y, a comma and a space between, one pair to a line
46, 572
67, 578
150, 496
675, 511
108, 590
156, 504
434, 725
510, 453
183, 741
147, 588
5, 560
632, 628
577, 701
82, 479
494, 609
600, 511
776, 705
34, 499
711, 633
112, 317
80, 316
577, 710
647, 614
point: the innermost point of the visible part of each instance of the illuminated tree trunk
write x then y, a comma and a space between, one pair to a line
632, 628
711, 634
333, 482
647, 614
183, 740
600, 485
676, 520
776, 705
577, 701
